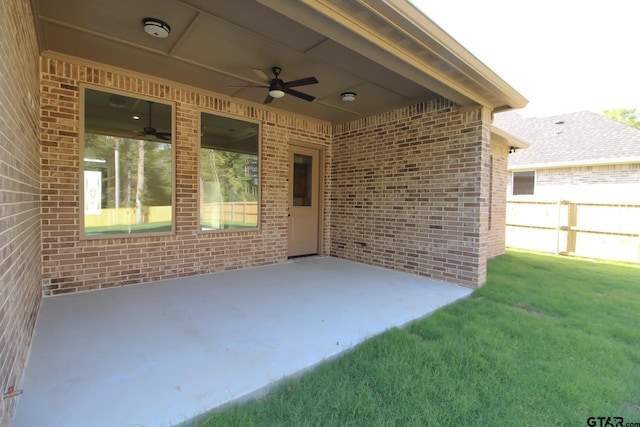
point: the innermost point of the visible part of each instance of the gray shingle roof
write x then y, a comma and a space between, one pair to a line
575, 138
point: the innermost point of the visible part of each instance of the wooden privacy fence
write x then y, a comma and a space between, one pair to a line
593, 230
126, 216
218, 214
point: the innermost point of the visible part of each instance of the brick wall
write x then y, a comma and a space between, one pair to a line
598, 174
410, 190
618, 183
71, 264
498, 201
407, 189
20, 293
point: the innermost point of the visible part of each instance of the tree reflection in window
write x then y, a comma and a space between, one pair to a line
128, 165
229, 173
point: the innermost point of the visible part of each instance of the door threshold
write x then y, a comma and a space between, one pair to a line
302, 256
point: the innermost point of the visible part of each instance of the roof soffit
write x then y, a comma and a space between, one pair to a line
395, 33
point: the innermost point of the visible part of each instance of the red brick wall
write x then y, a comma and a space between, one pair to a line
71, 264
410, 190
20, 292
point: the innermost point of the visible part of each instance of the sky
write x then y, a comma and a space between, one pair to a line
564, 56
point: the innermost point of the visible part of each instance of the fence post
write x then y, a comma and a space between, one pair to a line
558, 227
572, 222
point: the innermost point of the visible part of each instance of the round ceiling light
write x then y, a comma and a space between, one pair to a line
276, 93
348, 96
156, 28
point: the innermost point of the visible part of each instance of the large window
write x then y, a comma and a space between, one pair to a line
229, 173
127, 158
524, 183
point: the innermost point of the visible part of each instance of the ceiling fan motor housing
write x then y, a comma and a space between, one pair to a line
276, 84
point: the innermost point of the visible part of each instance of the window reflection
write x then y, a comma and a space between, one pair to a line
229, 178
128, 165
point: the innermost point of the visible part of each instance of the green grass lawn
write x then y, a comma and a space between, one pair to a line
547, 341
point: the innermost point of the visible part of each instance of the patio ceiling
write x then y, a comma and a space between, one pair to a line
384, 50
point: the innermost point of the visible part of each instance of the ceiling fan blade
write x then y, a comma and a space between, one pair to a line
299, 94
302, 82
268, 99
246, 86
261, 74
163, 136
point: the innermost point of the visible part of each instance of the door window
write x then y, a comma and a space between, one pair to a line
302, 179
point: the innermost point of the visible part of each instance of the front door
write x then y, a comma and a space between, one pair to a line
304, 200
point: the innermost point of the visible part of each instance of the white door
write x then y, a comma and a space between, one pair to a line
304, 200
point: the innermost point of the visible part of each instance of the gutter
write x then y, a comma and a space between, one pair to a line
501, 137
462, 59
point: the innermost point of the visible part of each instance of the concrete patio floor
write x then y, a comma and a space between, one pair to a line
158, 354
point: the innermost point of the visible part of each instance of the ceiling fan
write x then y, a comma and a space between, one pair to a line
278, 88
151, 131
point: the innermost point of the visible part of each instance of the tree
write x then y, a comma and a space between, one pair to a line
136, 173
235, 174
140, 182
628, 117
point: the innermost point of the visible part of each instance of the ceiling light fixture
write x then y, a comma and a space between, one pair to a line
276, 87
276, 93
156, 27
348, 96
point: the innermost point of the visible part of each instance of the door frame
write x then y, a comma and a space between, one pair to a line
321, 164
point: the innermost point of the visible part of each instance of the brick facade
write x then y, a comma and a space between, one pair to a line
409, 191
71, 264
20, 280
413, 181
498, 200
616, 183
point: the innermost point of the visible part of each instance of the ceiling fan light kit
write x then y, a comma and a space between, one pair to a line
156, 27
276, 93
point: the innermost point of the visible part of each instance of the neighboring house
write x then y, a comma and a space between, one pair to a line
408, 176
576, 189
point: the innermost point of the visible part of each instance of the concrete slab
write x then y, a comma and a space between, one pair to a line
159, 354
